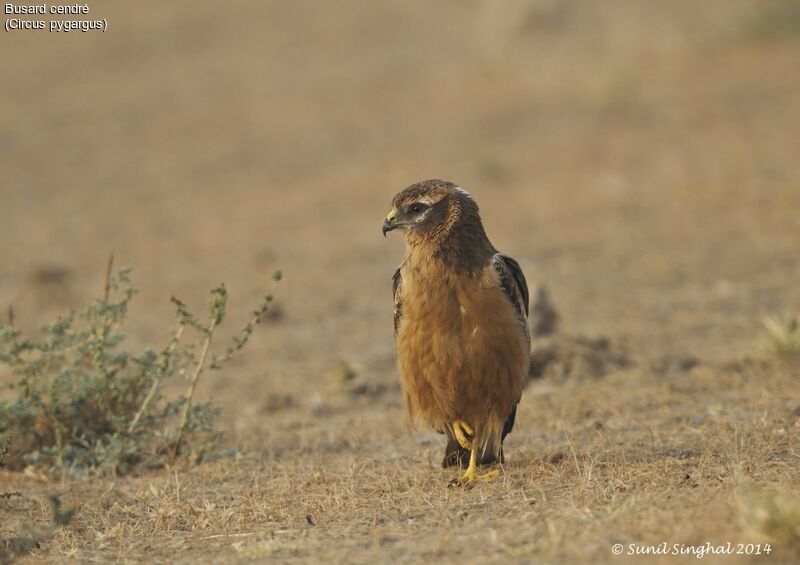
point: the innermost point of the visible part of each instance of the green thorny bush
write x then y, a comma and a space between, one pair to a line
81, 404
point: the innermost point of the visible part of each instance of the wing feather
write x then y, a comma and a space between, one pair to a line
513, 282
512, 279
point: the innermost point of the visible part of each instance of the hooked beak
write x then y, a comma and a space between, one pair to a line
390, 223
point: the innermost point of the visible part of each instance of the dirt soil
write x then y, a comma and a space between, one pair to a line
640, 160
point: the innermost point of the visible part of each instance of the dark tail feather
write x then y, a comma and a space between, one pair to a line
509, 425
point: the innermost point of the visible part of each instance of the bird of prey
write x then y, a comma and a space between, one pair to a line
460, 324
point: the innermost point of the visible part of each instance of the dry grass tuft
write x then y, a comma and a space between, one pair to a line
776, 20
780, 337
772, 515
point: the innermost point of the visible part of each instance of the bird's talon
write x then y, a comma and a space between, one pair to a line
472, 476
459, 483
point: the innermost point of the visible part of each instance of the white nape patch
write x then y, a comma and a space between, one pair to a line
475, 331
462, 191
463, 310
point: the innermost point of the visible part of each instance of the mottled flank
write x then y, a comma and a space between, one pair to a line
460, 319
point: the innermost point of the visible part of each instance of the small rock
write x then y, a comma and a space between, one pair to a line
565, 357
543, 316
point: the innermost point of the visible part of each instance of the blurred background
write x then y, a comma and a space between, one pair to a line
639, 159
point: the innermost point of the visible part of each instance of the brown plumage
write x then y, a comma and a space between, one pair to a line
461, 332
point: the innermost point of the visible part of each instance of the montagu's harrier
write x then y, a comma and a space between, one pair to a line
460, 323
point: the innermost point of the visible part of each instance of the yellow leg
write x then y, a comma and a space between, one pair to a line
464, 433
472, 474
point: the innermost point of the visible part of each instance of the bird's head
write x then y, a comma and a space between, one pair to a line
429, 209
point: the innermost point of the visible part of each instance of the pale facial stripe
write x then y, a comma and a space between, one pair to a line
427, 200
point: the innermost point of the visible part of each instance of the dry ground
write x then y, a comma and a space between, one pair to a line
639, 159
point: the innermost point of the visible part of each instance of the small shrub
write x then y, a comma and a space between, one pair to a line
81, 403
772, 516
774, 21
5, 443
781, 337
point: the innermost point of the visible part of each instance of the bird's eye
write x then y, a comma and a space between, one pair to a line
416, 208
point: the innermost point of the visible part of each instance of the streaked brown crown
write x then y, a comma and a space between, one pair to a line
434, 190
